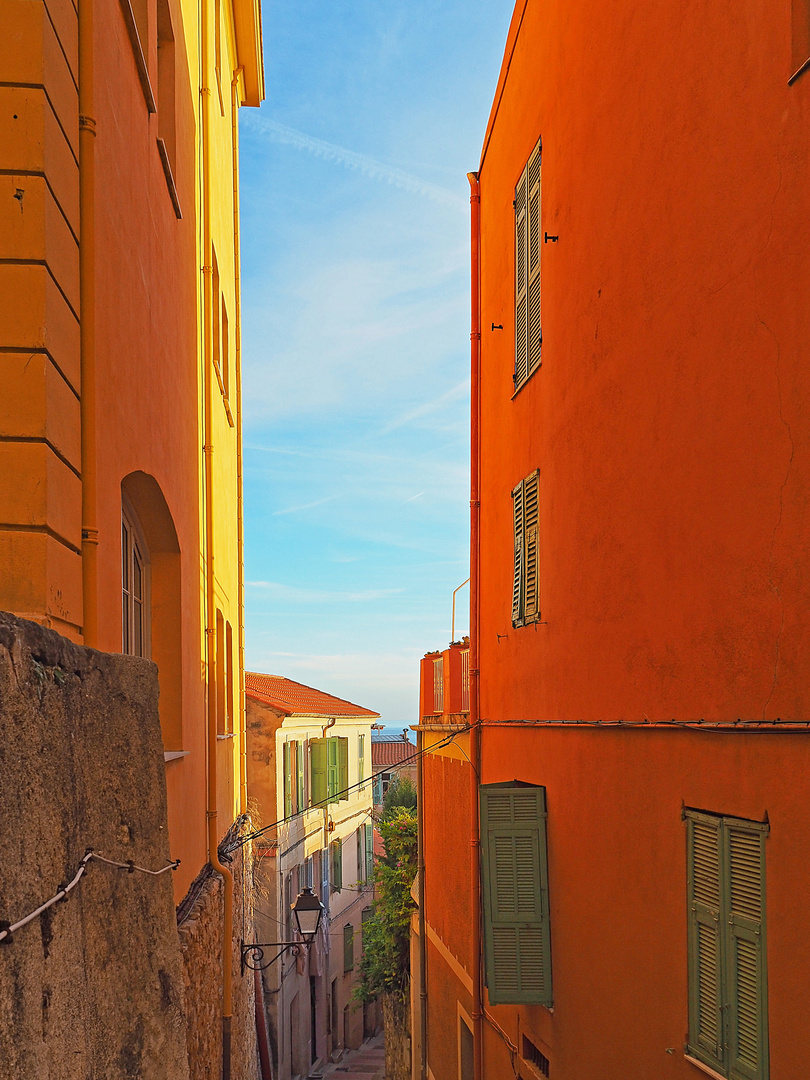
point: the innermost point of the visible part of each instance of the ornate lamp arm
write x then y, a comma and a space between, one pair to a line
253, 954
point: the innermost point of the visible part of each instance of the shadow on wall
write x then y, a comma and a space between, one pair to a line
144, 505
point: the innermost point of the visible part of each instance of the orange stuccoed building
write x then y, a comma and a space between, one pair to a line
618, 891
120, 346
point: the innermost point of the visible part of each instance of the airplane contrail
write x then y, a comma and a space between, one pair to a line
362, 163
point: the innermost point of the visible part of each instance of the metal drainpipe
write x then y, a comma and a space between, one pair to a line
240, 514
210, 617
87, 326
475, 511
420, 818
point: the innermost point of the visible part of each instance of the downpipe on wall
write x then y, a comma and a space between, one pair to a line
475, 513
87, 323
240, 502
210, 617
420, 821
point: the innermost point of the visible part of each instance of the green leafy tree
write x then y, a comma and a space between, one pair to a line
385, 964
401, 792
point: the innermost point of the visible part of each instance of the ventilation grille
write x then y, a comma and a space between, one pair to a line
536, 1057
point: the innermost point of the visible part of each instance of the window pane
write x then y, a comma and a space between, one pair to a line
137, 627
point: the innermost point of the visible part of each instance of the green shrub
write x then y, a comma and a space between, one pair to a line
385, 964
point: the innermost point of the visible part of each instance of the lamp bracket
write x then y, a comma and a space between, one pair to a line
253, 953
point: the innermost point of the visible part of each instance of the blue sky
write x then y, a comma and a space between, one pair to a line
355, 287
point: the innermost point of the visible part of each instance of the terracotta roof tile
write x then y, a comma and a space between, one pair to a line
391, 753
296, 699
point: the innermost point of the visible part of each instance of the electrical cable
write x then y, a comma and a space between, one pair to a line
752, 727
7, 929
324, 803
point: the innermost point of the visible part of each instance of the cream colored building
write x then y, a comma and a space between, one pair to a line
309, 771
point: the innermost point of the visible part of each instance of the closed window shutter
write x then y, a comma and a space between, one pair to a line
521, 281
747, 1011
285, 758
517, 581
369, 830
534, 333
728, 1009
332, 769
299, 784
704, 946
531, 515
517, 933
317, 771
365, 915
293, 764
343, 768
348, 947
337, 865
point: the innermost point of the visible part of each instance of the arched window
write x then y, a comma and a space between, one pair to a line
135, 605
152, 606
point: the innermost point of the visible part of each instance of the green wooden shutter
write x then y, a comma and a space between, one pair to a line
521, 281
369, 830
704, 953
745, 953
285, 764
336, 848
332, 769
517, 932
531, 524
299, 780
534, 332
517, 581
343, 769
348, 947
317, 772
365, 915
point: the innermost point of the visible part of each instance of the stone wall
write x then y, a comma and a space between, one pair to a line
396, 1022
200, 930
94, 986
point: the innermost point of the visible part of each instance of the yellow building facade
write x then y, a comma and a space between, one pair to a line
120, 349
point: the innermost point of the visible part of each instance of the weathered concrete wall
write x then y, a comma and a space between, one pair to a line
93, 987
201, 944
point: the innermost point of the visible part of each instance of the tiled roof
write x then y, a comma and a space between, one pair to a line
391, 753
385, 736
295, 699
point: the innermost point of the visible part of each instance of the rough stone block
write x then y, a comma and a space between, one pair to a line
94, 985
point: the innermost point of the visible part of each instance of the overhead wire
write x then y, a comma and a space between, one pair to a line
324, 803
7, 929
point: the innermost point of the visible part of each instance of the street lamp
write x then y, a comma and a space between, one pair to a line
307, 910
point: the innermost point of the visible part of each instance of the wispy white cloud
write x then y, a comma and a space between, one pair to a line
384, 681
297, 595
304, 506
414, 497
363, 163
453, 394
